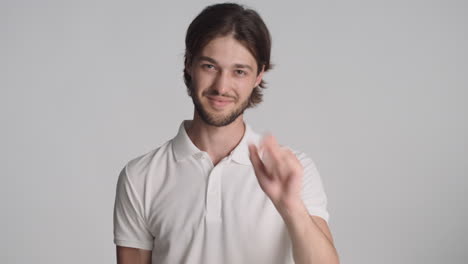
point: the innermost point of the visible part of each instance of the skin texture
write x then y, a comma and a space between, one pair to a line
213, 76
126, 255
227, 70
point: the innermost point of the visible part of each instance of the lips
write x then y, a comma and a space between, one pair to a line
219, 102
220, 99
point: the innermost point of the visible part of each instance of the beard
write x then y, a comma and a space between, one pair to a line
218, 120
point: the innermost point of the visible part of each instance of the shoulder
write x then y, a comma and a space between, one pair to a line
137, 167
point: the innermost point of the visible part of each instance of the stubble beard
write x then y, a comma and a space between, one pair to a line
218, 121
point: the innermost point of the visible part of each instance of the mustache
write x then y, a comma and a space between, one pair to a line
216, 93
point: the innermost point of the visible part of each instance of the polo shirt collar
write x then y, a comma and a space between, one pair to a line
183, 146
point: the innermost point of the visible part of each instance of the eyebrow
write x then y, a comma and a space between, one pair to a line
237, 65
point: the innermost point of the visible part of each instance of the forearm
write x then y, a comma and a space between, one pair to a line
310, 244
127, 255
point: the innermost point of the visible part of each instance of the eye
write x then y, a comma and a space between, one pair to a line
241, 72
208, 66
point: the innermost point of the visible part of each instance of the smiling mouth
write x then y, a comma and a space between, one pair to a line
218, 102
219, 98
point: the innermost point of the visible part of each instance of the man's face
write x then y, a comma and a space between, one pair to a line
224, 75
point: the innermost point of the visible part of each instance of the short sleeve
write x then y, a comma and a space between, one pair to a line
130, 229
313, 193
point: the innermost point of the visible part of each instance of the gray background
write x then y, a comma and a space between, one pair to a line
373, 91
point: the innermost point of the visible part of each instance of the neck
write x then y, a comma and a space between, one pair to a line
218, 142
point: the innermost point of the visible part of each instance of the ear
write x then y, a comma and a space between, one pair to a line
188, 69
260, 76
188, 65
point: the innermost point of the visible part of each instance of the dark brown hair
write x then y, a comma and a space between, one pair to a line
247, 27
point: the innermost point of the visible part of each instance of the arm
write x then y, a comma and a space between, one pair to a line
126, 255
133, 239
310, 236
280, 176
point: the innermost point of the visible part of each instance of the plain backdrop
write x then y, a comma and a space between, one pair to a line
374, 91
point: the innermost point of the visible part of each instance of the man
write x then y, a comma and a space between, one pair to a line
217, 192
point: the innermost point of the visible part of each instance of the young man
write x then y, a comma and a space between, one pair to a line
217, 192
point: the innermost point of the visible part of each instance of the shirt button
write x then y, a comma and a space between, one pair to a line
198, 156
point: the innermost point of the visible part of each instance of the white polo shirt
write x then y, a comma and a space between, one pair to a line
173, 201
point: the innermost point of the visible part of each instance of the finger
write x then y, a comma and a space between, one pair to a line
257, 163
272, 153
275, 158
294, 162
270, 141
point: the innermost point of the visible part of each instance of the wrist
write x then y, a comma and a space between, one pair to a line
289, 210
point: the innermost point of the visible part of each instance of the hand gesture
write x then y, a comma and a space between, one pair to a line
278, 171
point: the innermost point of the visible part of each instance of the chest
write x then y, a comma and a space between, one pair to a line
200, 201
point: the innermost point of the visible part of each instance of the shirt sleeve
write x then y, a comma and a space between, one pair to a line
313, 193
130, 229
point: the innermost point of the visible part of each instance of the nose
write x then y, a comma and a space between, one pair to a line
222, 83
